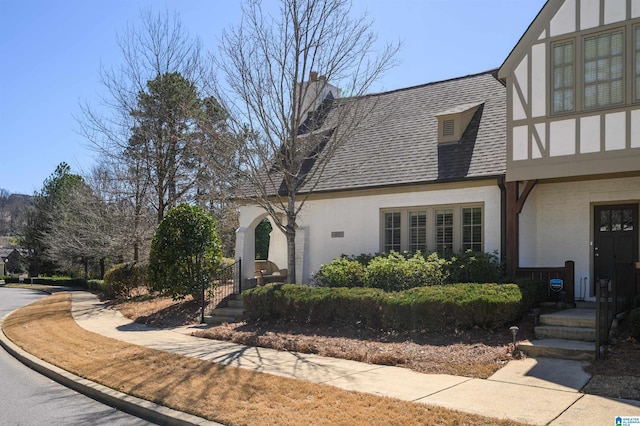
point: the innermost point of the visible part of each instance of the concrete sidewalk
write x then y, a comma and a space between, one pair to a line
539, 391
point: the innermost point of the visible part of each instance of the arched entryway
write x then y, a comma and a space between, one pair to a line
250, 219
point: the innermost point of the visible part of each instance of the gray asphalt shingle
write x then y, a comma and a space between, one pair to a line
398, 143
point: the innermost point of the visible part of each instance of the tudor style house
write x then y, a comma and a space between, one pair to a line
573, 142
539, 161
425, 173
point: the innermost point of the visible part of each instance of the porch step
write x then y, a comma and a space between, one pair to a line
585, 318
580, 304
569, 333
231, 313
566, 334
559, 348
238, 303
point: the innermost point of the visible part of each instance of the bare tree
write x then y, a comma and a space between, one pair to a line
81, 231
158, 129
293, 128
141, 122
122, 187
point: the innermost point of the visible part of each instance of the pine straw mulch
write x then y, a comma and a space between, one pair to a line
471, 353
618, 375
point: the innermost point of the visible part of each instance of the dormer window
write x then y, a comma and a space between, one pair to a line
453, 122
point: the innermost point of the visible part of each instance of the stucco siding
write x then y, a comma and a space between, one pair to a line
350, 224
358, 218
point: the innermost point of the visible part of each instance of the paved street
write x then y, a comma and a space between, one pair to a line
28, 398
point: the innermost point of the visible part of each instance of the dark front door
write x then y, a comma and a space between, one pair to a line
615, 245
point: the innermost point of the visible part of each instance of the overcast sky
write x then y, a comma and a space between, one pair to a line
51, 52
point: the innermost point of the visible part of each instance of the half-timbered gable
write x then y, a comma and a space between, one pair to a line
573, 89
573, 141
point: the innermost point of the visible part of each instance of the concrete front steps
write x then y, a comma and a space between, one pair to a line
566, 334
231, 313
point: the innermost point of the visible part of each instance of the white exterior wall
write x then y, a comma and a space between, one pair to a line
556, 223
359, 218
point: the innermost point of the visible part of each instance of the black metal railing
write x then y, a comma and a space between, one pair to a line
614, 294
604, 313
228, 282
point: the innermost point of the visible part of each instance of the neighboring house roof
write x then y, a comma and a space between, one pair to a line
398, 142
6, 252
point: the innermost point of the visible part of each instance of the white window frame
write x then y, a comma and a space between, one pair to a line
431, 234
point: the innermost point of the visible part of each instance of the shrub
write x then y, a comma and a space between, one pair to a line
386, 272
634, 321
533, 292
122, 278
474, 267
395, 272
424, 308
55, 281
363, 258
401, 271
341, 272
186, 252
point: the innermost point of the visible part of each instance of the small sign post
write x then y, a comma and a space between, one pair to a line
556, 284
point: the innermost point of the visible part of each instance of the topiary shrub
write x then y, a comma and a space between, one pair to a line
121, 279
341, 272
186, 252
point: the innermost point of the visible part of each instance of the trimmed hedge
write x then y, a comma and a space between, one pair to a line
57, 281
122, 278
420, 309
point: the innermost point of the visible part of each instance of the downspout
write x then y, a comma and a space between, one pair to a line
503, 219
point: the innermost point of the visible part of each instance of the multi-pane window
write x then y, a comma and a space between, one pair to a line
444, 231
603, 69
417, 231
392, 231
472, 229
563, 77
616, 220
637, 62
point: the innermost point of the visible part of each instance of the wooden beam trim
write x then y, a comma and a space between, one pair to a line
525, 194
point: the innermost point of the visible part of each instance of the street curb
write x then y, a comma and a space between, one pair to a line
130, 404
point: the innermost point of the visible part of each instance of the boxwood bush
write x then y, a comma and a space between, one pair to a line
420, 309
473, 266
396, 272
341, 272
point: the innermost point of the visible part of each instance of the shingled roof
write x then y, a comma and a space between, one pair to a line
398, 142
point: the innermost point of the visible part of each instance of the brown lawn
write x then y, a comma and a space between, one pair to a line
225, 394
